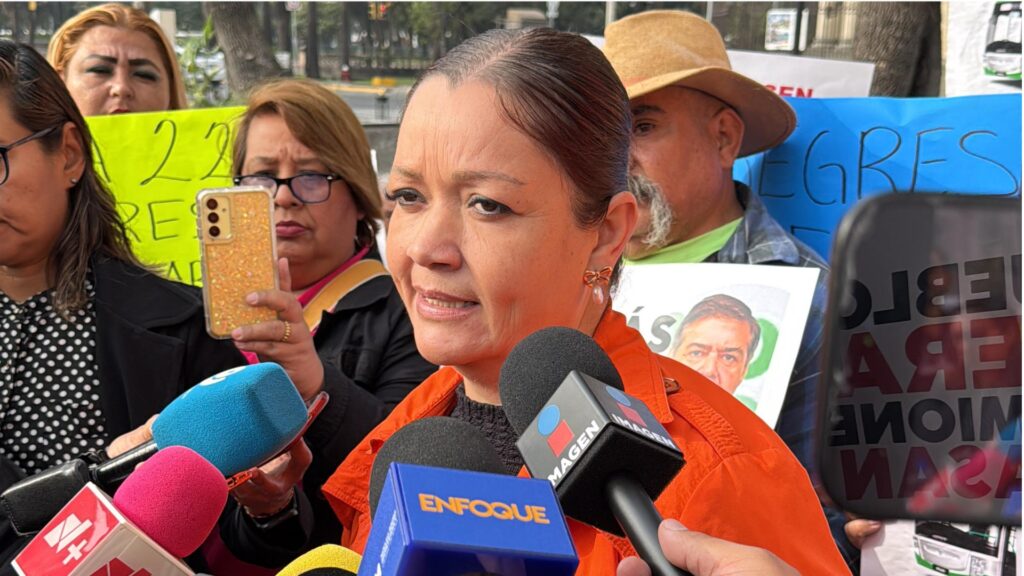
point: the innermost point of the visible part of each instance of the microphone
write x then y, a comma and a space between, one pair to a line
420, 442
442, 505
163, 511
604, 451
326, 560
236, 419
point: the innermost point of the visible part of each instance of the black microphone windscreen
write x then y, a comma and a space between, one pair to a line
536, 367
438, 441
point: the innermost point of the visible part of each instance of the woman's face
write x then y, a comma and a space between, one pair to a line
34, 199
116, 70
316, 238
482, 244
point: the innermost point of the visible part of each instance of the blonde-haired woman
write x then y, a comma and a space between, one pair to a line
303, 142
115, 59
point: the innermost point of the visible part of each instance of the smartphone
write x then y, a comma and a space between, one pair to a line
239, 255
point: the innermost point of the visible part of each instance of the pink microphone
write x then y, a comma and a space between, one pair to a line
163, 512
175, 498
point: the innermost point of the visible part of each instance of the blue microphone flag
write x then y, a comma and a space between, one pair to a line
439, 521
257, 406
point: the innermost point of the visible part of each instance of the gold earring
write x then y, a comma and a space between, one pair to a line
597, 280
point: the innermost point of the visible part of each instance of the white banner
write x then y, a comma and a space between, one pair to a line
805, 77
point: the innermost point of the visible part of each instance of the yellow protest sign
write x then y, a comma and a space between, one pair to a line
155, 164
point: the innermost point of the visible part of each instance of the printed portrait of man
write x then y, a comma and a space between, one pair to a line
717, 338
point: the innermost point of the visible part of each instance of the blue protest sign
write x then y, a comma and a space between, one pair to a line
846, 149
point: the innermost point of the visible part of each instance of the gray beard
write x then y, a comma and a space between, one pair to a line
649, 195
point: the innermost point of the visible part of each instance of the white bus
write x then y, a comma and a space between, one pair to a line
1002, 45
965, 549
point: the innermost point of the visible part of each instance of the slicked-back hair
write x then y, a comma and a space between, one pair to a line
560, 91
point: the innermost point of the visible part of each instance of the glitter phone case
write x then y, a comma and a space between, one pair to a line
239, 253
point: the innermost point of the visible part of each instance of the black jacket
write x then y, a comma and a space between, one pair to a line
151, 345
370, 365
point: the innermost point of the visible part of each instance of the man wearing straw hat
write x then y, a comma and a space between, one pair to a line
693, 117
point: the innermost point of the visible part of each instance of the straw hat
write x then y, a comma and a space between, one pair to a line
660, 48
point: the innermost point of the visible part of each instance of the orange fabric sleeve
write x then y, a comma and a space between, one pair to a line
734, 503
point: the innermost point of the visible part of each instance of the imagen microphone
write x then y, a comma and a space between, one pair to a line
443, 506
326, 560
605, 453
163, 512
236, 420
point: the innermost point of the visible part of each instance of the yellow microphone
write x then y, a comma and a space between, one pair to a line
327, 560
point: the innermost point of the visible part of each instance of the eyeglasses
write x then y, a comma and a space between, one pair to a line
307, 188
5, 166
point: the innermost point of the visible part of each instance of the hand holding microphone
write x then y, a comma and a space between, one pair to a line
286, 340
236, 420
705, 555
132, 439
272, 486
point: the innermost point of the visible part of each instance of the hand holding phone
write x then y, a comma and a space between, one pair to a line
286, 339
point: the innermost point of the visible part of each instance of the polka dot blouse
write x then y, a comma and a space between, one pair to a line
49, 382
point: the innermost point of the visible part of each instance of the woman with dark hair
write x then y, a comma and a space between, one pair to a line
91, 343
512, 215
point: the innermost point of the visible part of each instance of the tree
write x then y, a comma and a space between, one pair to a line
283, 21
344, 37
444, 25
267, 18
312, 41
247, 58
903, 39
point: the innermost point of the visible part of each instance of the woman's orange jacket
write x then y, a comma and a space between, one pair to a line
740, 482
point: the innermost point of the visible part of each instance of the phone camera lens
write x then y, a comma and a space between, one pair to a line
213, 217
211, 204
214, 231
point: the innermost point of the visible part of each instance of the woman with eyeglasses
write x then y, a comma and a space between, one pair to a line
91, 343
341, 325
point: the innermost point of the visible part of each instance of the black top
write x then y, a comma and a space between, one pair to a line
370, 364
493, 422
151, 345
49, 382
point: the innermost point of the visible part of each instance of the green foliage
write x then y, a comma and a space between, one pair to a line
204, 85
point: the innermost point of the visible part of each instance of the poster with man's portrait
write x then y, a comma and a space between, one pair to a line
738, 325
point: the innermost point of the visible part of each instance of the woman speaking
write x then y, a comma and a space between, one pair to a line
512, 214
